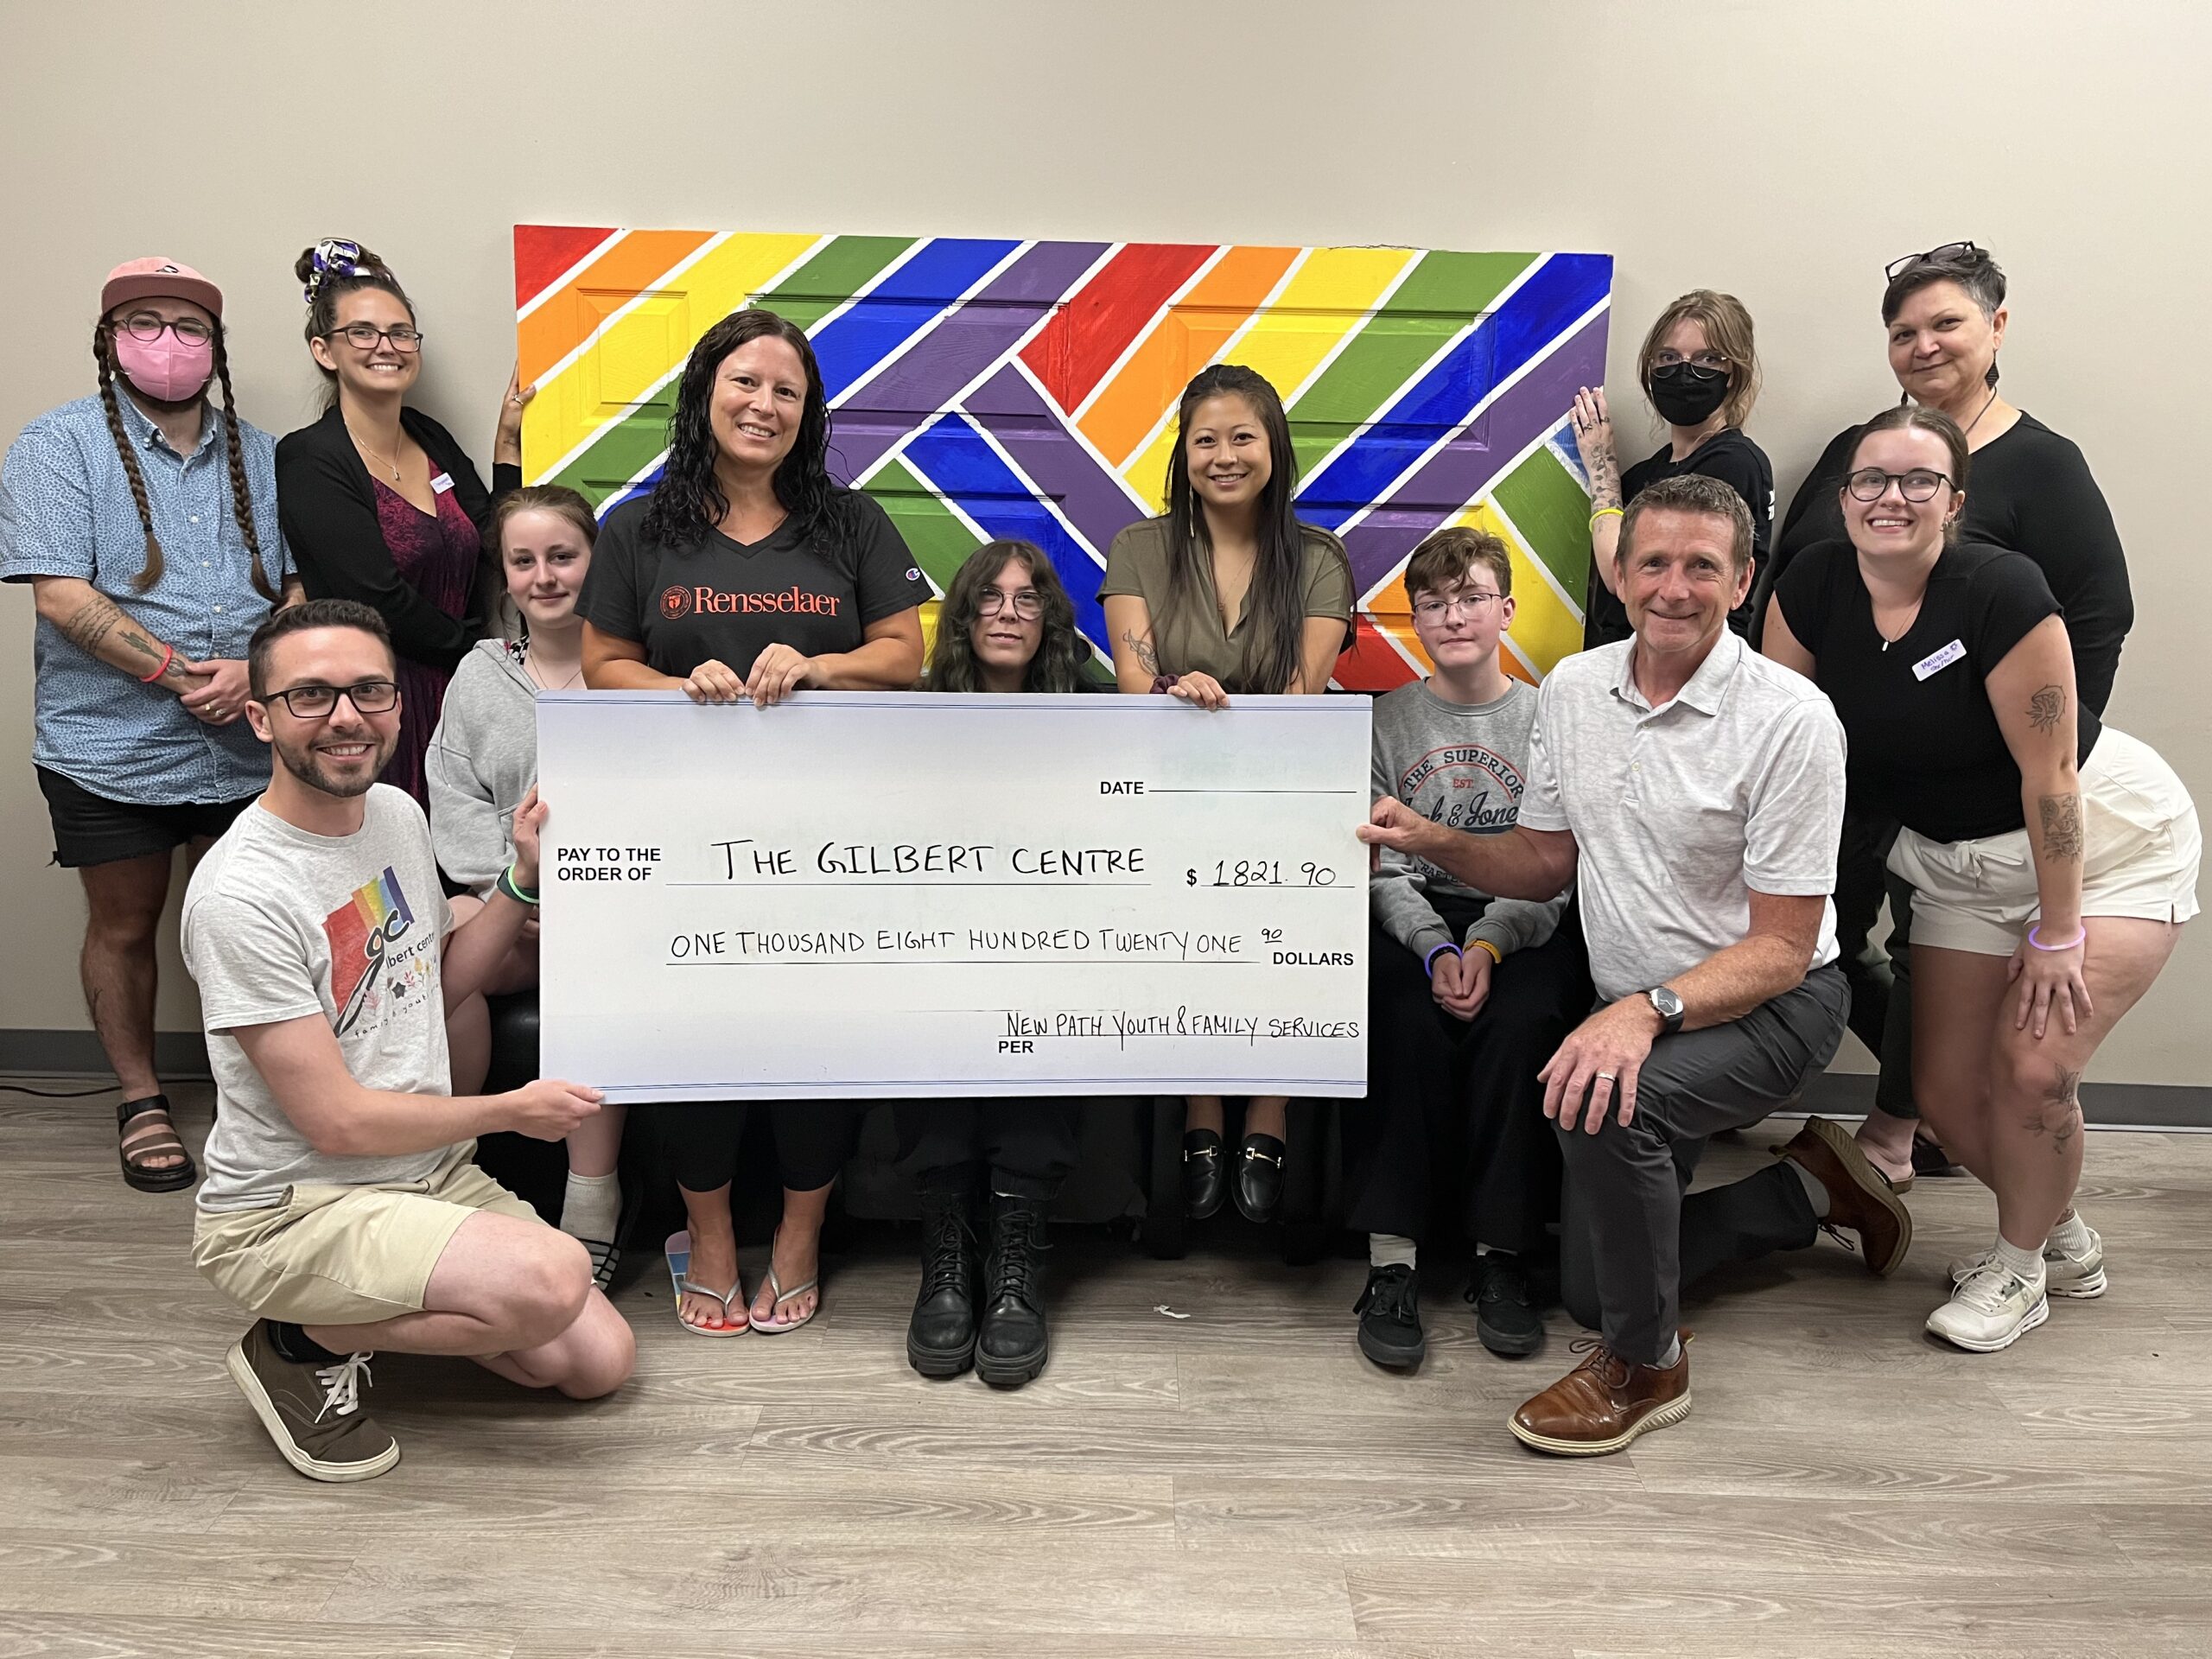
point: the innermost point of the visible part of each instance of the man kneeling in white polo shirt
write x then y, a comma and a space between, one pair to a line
341, 1205
1693, 791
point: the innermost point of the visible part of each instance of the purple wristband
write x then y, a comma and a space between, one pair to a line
2038, 944
1428, 962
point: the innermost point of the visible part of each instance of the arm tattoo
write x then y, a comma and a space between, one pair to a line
92, 625
2046, 708
1147, 658
2062, 825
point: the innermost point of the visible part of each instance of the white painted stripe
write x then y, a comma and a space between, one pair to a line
1291, 398
869, 286
601, 251
1044, 500
933, 324
1497, 507
1150, 327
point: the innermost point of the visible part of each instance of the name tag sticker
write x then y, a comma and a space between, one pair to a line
1937, 662
443, 482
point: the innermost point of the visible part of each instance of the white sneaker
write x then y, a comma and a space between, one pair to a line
2081, 1276
1991, 1309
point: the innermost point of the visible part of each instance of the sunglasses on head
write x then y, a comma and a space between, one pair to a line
1949, 253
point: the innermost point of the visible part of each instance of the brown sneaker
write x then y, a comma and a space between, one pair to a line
1859, 1200
313, 1411
1604, 1403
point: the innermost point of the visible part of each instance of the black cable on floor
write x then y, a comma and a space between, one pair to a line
55, 1094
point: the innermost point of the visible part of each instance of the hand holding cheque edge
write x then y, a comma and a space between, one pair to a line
545, 1109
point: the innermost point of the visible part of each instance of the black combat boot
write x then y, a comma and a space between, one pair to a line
1014, 1342
941, 1335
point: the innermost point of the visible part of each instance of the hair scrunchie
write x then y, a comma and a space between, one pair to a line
333, 256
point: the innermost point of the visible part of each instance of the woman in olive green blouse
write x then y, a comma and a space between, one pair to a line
1228, 593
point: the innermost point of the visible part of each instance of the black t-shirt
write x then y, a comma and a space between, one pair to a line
1727, 455
1924, 745
2028, 490
719, 599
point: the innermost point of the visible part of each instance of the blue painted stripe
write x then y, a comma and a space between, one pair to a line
1534, 315
901, 306
952, 459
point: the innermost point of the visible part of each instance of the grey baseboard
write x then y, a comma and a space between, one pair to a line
77, 1054
2105, 1105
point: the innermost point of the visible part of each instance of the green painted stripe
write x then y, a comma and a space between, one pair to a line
1443, 295
621, 451
939, 541
832, 277
1551, 510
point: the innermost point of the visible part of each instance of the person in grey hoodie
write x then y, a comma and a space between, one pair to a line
482, 761
1469, 995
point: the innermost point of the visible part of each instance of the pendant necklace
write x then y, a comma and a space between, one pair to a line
372, 454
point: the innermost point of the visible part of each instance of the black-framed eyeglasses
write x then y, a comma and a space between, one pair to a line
364, 336
1871, 484
320, 701
1027, 605
1438, 610
1949, 251
1711, 362
148, 326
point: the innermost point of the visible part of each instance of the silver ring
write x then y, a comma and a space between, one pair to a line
1606, 1077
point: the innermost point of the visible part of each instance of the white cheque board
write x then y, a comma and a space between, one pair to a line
895, 894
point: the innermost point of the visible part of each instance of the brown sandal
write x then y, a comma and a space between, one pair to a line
152, 1140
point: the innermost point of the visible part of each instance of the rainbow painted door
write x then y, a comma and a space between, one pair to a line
982, 387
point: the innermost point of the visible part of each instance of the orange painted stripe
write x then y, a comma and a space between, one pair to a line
1181, 343
567, 318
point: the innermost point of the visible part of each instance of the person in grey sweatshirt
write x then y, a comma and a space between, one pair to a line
1468, 995
482, 761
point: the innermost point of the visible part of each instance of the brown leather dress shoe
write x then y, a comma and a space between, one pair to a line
1859, 1200
1604, 1403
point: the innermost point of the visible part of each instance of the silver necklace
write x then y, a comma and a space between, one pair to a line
529, 667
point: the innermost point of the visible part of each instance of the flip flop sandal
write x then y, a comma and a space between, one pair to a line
605, 1259
679, 1275
151, 1141
768, 1328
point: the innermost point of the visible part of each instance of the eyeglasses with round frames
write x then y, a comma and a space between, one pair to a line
364, 336
1871, 484
320, 701
1027, 605
1439, 610
148, 326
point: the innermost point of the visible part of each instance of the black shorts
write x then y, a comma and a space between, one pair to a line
90, 829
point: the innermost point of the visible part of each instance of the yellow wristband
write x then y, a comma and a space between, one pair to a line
1495, 955
1616, 512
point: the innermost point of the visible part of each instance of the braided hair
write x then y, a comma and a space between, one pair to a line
233, 460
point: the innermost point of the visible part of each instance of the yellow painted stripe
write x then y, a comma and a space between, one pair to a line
613, 374
1328, 298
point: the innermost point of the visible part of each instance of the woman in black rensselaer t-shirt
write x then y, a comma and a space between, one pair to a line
748, 573
2051, 860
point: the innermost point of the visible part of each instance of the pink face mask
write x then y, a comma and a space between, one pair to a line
167, 369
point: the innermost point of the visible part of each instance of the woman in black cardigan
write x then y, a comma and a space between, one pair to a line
377, 501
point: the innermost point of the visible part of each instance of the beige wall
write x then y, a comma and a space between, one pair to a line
1783, 151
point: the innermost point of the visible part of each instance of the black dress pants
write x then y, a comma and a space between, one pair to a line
1881, 979
1026, 1146
1453, 1123
813, 1139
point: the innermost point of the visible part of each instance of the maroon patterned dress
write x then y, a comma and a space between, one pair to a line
436, 555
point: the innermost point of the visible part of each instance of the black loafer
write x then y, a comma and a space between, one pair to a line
1389, 1318
1259, 1176
1205, 1173
1506, 1320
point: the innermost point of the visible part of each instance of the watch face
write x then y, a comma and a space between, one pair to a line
1669, 1005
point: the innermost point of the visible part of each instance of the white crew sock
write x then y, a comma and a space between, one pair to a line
2028, 1264
591, 1205
1673, 1351
1815, 1189
1390, 1250
2071, 1236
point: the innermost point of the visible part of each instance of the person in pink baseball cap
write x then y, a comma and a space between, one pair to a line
144, 518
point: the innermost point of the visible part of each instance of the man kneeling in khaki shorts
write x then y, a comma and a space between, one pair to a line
341, 1207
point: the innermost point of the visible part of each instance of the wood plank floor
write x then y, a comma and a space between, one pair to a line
1238, 1482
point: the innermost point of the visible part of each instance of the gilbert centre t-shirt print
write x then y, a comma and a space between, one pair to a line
720, 599
281, 923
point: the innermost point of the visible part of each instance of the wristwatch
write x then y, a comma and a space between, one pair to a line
1668, 1007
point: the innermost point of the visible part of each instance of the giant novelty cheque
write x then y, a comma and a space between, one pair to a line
881, 895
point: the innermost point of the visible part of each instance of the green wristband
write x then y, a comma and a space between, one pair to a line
509, 886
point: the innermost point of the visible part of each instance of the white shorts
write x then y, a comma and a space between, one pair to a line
2143, 848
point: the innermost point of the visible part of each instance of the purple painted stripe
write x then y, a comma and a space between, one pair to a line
909, 393
1441, 487
1093, 499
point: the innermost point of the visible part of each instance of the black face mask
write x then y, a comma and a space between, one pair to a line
1685, 394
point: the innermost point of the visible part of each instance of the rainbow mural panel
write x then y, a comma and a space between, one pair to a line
982, 387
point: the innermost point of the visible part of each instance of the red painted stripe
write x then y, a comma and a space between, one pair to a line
1371, 665
544, 252
1095, 326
